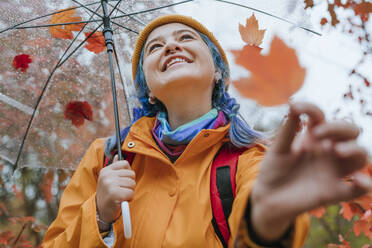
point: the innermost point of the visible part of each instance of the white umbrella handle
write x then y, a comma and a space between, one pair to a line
126, 219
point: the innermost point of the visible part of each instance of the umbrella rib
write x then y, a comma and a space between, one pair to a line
115, 7
57, 24
269, 14
75, 38
76, 48
82, 5
40, 17
124, 27
113, 22
152, 9
132, 17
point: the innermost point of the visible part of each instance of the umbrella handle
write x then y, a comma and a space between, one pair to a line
126, 219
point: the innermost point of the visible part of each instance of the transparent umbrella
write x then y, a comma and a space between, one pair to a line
55, 75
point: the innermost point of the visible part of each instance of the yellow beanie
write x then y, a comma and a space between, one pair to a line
171, 19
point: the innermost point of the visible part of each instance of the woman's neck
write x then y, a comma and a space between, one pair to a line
184, 112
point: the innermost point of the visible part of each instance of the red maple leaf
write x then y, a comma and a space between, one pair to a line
274, 78
96, 42
21, 62
77, 112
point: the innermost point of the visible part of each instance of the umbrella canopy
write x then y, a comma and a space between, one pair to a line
55, 92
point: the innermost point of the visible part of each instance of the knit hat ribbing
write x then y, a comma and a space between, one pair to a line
171, 19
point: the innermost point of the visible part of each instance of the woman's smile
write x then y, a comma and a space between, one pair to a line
177, 59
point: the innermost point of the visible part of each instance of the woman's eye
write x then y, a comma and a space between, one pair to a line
186, 37
154, 46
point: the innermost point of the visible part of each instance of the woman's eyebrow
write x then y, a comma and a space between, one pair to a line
184, 30
174, 33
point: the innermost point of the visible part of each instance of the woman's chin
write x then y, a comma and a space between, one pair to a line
185, 76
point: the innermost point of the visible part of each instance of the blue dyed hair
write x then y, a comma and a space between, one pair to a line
241, 135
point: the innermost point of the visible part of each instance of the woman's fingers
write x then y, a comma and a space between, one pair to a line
118, 165
361, 185
288, 132
315, 114
336, 131
351, 156
126, 173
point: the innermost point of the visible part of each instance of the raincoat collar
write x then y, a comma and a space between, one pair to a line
140, 140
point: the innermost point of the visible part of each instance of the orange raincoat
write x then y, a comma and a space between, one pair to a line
171, 205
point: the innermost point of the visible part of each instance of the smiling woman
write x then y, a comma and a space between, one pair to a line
192, 165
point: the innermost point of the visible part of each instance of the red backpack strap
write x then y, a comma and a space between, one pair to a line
129, 156
222, 187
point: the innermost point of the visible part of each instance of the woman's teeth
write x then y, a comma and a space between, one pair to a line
174, 61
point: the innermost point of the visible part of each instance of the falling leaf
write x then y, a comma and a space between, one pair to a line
65, 31
96, 42
250, 32
77, 112
318, 212
46, 186
274, 78
309, 4
363, 9
21, 62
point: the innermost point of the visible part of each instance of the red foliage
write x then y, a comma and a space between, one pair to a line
78, 111
323, 21
309, 4
367, 83
21, 62
16, 191
22, 220
363, 10
318, 212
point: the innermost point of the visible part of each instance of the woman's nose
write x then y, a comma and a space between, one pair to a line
172, 47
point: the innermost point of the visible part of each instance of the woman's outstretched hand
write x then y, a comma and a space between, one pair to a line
302, 172
115, 184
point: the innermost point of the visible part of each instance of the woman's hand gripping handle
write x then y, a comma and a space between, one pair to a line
115, 188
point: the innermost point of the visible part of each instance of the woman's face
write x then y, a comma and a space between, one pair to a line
176, 59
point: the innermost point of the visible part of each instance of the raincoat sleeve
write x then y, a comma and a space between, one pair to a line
76, 225
247, 171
